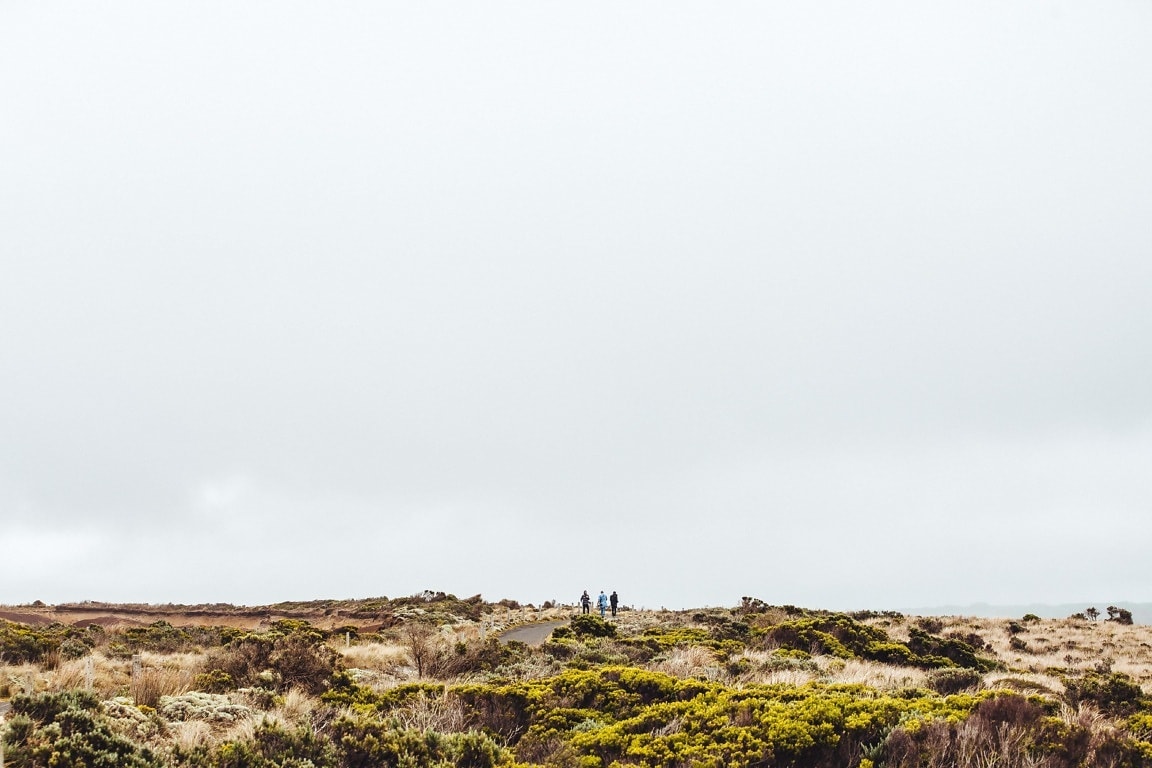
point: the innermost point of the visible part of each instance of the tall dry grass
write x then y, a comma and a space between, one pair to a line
168, 674
883, 677
694, 661
382, 657
442, 713
20, 678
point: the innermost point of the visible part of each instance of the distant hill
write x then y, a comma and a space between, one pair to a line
1141, 612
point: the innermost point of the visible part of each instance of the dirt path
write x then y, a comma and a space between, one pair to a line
532, 634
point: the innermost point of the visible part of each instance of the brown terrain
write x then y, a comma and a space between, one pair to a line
324, 615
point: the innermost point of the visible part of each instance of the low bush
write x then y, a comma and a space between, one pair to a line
58, 730
363, 742
587, 625
271, 746
1114, 692
275, 660
949, 681
930, 649
1008, 730
23, 644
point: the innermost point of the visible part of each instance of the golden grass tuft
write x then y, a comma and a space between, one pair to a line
427, 712
883, 677
295, 707
694, 661
191, 734
162, 675
379, 657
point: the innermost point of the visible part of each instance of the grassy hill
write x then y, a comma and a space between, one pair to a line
424, 680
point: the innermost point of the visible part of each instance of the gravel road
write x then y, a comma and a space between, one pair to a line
532, 634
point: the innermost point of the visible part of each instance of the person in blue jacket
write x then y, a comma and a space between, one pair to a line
602, 603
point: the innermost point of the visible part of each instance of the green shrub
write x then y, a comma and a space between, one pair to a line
890, 653
22, 644
162, 637
588, 625
938, 651
274, 660
930, 624
215, 681
363, 742
59, 730
948, 681
973, 639
1114, 693
1119, 615
74, 648
271, 746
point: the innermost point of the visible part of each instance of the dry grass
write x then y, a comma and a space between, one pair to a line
21, 678
378, 665
163, 675
191, 734
1046, 650
426, 712
694, 661
296, 707
1025, 682
883, 677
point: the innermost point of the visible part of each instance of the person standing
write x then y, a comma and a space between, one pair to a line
602, 603
613, 601
585, 602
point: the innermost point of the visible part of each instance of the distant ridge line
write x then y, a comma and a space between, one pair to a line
1141, 612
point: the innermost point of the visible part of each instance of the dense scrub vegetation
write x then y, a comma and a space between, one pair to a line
757, 685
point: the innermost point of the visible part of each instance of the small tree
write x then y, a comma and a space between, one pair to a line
1119, 615
1092, 613
425, 647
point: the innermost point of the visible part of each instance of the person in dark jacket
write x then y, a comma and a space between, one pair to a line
585, 603
613, 601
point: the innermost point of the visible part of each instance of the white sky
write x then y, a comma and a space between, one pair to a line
838, 304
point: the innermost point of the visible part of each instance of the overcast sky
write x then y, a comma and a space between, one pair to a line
836, 304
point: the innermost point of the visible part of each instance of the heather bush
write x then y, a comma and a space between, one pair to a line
273, 660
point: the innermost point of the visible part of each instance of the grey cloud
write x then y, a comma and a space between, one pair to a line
618, 283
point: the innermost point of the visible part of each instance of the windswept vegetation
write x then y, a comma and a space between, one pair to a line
427, 682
